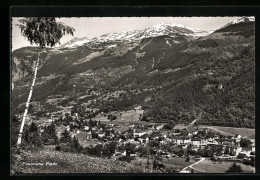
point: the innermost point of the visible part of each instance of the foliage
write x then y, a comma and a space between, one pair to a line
234, 169
213, 77
43, 31
68, 163
75, 144
31, 136
65, 137
245, 142
126, 158
250, 162
49, 135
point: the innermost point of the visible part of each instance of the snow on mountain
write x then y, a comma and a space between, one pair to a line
172, 30
168, 29
243, 19
240, 20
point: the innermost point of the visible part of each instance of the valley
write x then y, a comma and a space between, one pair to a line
165, 96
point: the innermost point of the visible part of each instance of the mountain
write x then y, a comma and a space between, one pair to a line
238, 21
175, 73
244, 26
173, 30
23, 58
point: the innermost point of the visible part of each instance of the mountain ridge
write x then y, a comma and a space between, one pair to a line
137, 35
173, 82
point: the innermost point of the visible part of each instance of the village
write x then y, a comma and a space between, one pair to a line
182, 147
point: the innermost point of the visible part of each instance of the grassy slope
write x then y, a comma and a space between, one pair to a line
70, 163
209, 167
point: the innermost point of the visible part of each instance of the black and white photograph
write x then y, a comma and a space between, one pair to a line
132, 95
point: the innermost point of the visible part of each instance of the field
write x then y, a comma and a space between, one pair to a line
179, 126
209, 167
231, 131
126, 118
176, 162
173, 162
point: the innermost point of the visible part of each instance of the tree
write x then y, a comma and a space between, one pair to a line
180, 152
32, 137
234, 168
226, 151
245, 142
43, 32
109, 149
75, 144
130, 148
50, 133
91, 123
187, 159
65, 137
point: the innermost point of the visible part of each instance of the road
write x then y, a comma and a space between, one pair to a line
189, 126
190, 166
192, 122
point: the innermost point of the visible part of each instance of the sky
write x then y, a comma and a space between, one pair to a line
95, 26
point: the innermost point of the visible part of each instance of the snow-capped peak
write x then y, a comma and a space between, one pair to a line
243, 19
240, 20
137, 35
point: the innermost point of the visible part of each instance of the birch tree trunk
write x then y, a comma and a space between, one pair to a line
27, 104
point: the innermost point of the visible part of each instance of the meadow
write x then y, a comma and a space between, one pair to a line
46, 161
231, 131
219, 167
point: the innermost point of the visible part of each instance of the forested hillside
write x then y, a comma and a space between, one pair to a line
174, 78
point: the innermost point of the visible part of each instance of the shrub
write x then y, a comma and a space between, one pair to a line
126, 158
234, 168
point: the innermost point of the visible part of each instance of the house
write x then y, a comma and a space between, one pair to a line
138, 134
210, 139
73, 123
101, 135
238, 137
119, 154
212, 143
132, 126
111, 125
83, 136
159, 127
40, 130
195, 132
196, 142
196, 157
253, 149
238, 150
241, 155
86, 128
183, 141
133, 155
